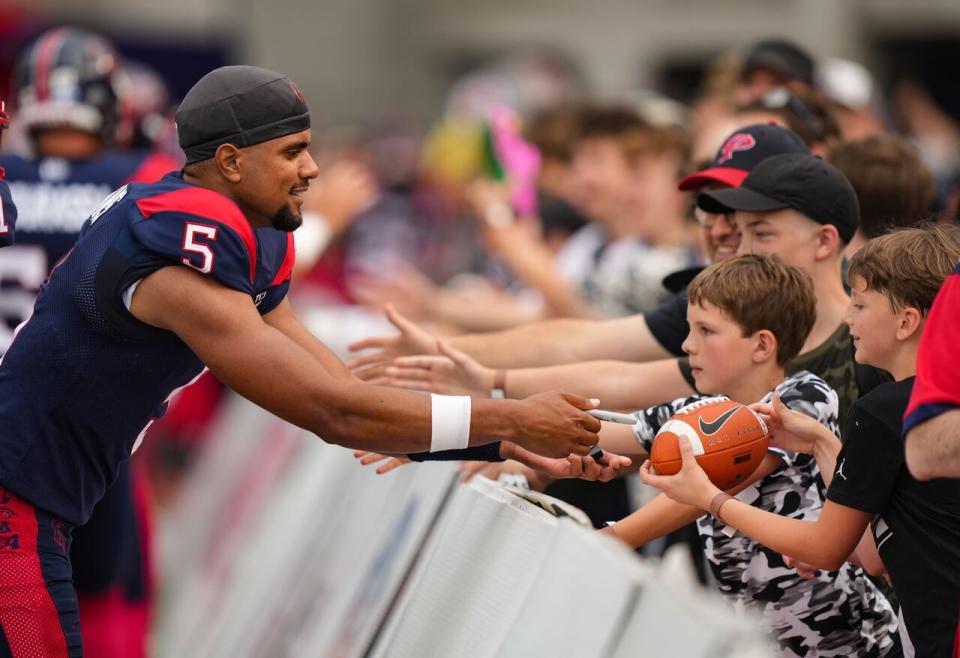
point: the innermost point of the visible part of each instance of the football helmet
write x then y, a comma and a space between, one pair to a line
65, 79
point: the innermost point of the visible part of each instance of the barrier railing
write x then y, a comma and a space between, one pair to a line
285, 546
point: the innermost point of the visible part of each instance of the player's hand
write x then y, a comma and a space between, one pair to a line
582, 467
690, 486
411, 340
553, 424
804, 570
789, 429
392, 461
451, 373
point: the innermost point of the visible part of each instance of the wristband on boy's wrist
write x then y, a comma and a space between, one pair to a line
717, 503
499, 390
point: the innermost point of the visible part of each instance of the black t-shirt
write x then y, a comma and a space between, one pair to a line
668, 323
916, 524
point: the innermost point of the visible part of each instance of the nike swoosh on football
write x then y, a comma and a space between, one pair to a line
714, 426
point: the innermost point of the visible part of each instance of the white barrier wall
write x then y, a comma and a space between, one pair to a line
284, 532
285, 546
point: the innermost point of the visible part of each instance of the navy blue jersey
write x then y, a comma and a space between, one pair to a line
8, 215
83, 378
54, 197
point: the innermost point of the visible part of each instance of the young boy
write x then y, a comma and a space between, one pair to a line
749, 317
916, 525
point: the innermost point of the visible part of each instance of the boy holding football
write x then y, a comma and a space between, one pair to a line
749, 317
916, 525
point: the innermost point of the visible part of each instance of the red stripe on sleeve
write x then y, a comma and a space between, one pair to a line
153, 168
209, 204
289, 259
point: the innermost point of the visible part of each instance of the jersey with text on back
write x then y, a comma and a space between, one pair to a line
54, 197
83, 377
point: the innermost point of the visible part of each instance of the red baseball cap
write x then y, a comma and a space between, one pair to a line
741, 152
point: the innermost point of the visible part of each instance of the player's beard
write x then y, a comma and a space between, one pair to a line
285, 220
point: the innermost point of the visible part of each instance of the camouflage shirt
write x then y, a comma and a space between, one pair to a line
837, 613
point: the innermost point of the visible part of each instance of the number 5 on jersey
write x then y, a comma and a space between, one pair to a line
195, 241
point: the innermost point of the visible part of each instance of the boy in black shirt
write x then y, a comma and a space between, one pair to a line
915, 525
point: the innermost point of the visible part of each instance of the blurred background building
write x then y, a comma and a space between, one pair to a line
366, 58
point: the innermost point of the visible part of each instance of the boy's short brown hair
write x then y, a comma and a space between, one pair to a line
908, 265
635, 137
893, 185
760, 291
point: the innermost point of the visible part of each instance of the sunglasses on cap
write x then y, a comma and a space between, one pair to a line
780, 98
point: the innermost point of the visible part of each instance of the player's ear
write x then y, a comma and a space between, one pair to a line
766, 347
909, 322
228, 159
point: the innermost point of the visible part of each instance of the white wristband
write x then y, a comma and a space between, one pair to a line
450, 422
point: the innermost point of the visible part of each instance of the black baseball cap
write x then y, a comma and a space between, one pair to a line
741, 152
799, 181
239, 105
781, 56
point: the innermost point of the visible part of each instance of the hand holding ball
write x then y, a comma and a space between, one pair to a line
728, 439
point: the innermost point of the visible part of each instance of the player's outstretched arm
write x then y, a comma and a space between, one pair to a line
826, 543
223, 328
283, 319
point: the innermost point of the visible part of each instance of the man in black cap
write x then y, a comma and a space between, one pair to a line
773, 63
804, 210
791, 185
170, 277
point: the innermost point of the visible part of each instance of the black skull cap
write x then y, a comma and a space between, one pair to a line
239, 105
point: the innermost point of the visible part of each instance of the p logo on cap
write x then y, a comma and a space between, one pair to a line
737, 142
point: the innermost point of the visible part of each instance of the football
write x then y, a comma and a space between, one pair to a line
728, 439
